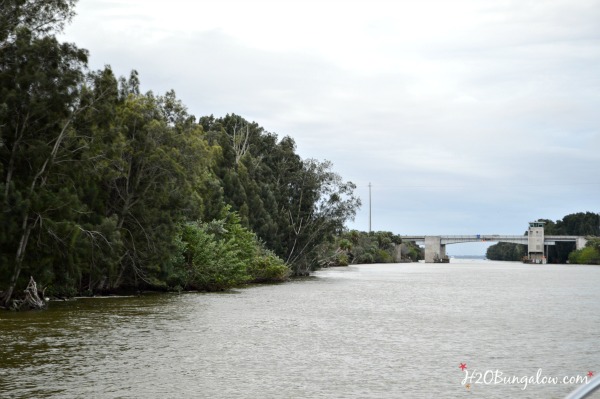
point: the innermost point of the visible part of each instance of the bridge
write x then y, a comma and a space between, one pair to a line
435, 246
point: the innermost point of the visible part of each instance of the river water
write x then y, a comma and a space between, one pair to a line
367, 331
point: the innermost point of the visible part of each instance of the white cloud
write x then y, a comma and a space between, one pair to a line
450, 108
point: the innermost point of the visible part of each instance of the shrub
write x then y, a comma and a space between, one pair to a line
211, 263
268, 268
342, 259
222, 254
585, 256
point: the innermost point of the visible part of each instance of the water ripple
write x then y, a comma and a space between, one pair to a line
373, 331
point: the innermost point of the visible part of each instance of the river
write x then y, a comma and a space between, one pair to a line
367, 331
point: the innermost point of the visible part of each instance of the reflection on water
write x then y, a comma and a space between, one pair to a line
372, 331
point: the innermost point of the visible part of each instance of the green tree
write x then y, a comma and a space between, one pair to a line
104, 180
588, 255
222, 254
362, 247
292, 204
506, 251
578, 224
211, 263
158, 161
319, 204
40, 82
40, 18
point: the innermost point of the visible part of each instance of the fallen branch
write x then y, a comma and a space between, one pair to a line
32, 299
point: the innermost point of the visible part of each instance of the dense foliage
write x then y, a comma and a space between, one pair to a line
590, 255
506, 251
292, 204
586, 224
354, 247
221, 253
107, 188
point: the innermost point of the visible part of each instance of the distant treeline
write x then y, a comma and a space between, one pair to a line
357, 247
577, 224
106, 188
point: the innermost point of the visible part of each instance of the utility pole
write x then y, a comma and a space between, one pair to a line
369, 207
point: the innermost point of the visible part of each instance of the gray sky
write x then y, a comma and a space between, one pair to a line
467, 117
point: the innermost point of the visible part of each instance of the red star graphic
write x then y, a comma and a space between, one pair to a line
590, 373
463, 366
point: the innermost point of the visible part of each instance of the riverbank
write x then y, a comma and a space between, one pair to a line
42, 302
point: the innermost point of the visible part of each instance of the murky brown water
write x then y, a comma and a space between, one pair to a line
373, 331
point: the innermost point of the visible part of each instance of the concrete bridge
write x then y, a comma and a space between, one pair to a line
435, 246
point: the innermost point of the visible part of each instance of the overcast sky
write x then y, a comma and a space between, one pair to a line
467, 117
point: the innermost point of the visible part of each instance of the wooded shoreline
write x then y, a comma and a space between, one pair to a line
106, 187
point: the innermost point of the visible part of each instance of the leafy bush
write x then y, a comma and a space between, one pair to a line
222, 254
211, 263
366, 258
268, 268
342, 259
585, 256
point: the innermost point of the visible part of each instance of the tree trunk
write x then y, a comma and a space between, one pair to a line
39, 181
7, 296
32, 299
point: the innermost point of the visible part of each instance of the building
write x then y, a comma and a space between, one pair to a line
535, 242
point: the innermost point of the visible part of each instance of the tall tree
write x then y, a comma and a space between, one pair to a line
292, 204
160, 161
320, 202
40, 18
40, 81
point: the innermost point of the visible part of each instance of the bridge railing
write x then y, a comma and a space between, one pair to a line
563, 238
455, 239
516, 239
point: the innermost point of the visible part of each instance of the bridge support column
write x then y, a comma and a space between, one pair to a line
434, 248
580, 242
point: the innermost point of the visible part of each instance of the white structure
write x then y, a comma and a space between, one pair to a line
535, 242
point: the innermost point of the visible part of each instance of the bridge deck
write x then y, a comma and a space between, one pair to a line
516, 239
435, 246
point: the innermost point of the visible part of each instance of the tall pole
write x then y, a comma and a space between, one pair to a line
369, 207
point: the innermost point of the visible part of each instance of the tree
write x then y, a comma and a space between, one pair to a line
220, 254
580, 224
40, 18
156, 161
380, 247
97, 178
292, 204
506, 251
588, 255
319, 205
40, 82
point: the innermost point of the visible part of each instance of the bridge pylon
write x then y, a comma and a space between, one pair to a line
434, 249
